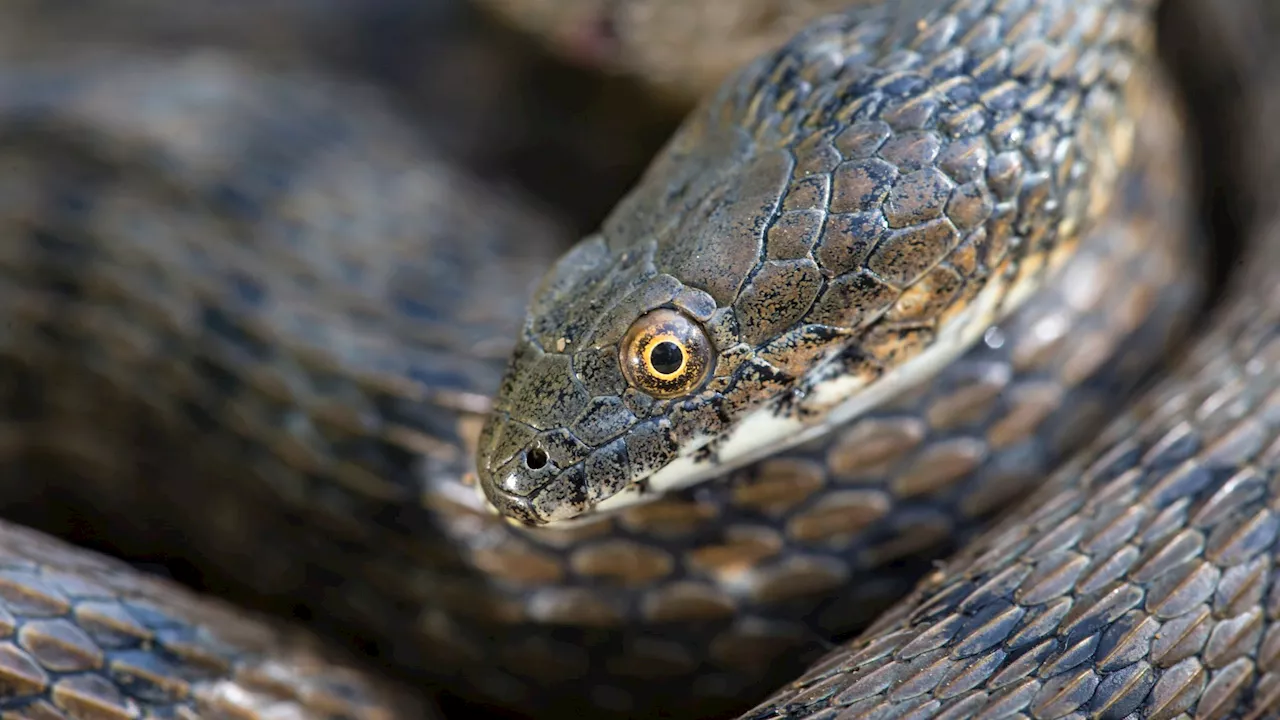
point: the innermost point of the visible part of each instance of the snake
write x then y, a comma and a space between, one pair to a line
870, 295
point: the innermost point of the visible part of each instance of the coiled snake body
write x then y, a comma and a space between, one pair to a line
253, 319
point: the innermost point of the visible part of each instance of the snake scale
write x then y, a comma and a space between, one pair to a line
253, 319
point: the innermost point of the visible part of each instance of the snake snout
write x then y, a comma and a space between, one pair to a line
530, 488
550, 476
527, 475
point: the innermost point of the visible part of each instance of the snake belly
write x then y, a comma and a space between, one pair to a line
350, 438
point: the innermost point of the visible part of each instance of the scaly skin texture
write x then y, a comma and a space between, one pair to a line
223, 309
87, 637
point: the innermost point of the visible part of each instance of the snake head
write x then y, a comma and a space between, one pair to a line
647, 341
723, 312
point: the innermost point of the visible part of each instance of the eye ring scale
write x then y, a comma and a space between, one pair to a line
665, 354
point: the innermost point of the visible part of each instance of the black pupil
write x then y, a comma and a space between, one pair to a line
666, 357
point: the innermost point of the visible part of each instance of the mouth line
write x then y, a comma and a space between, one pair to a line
682, 465
493, 482
600, 511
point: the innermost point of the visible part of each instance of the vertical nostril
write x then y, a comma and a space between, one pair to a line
535, 458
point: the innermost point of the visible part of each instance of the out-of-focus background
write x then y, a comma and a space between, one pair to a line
490, 97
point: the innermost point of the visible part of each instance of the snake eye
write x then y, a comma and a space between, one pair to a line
665, 354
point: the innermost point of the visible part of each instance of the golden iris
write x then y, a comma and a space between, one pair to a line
665, 354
